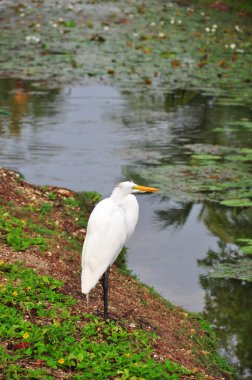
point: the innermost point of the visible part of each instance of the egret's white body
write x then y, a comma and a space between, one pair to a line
111, 223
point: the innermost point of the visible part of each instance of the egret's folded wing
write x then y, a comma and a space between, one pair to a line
106, 235
130, 208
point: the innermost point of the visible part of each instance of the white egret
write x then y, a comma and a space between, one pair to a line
110, 225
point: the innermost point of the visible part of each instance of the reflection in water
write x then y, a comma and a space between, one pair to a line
89, 138
228, 302
175, 216
228, 306
229, 224
23, 99
66, 137
167, 124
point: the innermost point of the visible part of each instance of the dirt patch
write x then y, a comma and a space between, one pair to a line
180, 334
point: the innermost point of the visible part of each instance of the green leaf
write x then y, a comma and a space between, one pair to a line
237, 203
4, 112
70, 24
247, 250
206, 157
241, 270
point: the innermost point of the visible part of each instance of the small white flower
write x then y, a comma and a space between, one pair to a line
132, 325
226, 46
131, 15
179, 22
203, 14
106, 28
135, 34
238, 29
172, 21
240, 51
32, 39
207, 30
152, 24
54, 25
161, 35
70, 7
215, 26
232, 46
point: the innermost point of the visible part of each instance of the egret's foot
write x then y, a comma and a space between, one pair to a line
108, 318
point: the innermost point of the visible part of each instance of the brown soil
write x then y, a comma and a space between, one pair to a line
129, 300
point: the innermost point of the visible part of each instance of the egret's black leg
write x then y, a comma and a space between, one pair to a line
105, 285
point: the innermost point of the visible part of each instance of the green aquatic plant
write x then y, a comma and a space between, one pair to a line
158, 48
209, 174
241, 269
244, 202
246, 245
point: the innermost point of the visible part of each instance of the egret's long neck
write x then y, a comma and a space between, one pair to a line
118, 195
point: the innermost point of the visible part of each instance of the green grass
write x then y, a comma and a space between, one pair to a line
84, 202
33, 224
15, 232
38, 325
209, 356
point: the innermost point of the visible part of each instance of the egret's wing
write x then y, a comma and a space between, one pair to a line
130, 208
106, 235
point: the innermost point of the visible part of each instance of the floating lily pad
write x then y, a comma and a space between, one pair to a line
237, 203
4, 112
208, 175
243, 123
247, 248
206, 157
247, 157
244, 240
241, 270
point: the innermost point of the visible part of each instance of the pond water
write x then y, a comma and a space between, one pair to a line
90, 138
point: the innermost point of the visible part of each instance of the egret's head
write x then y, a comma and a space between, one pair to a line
129, 187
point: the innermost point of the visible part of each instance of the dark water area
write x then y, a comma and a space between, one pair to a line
90, 138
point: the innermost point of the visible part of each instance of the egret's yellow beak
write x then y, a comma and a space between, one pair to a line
145, 189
